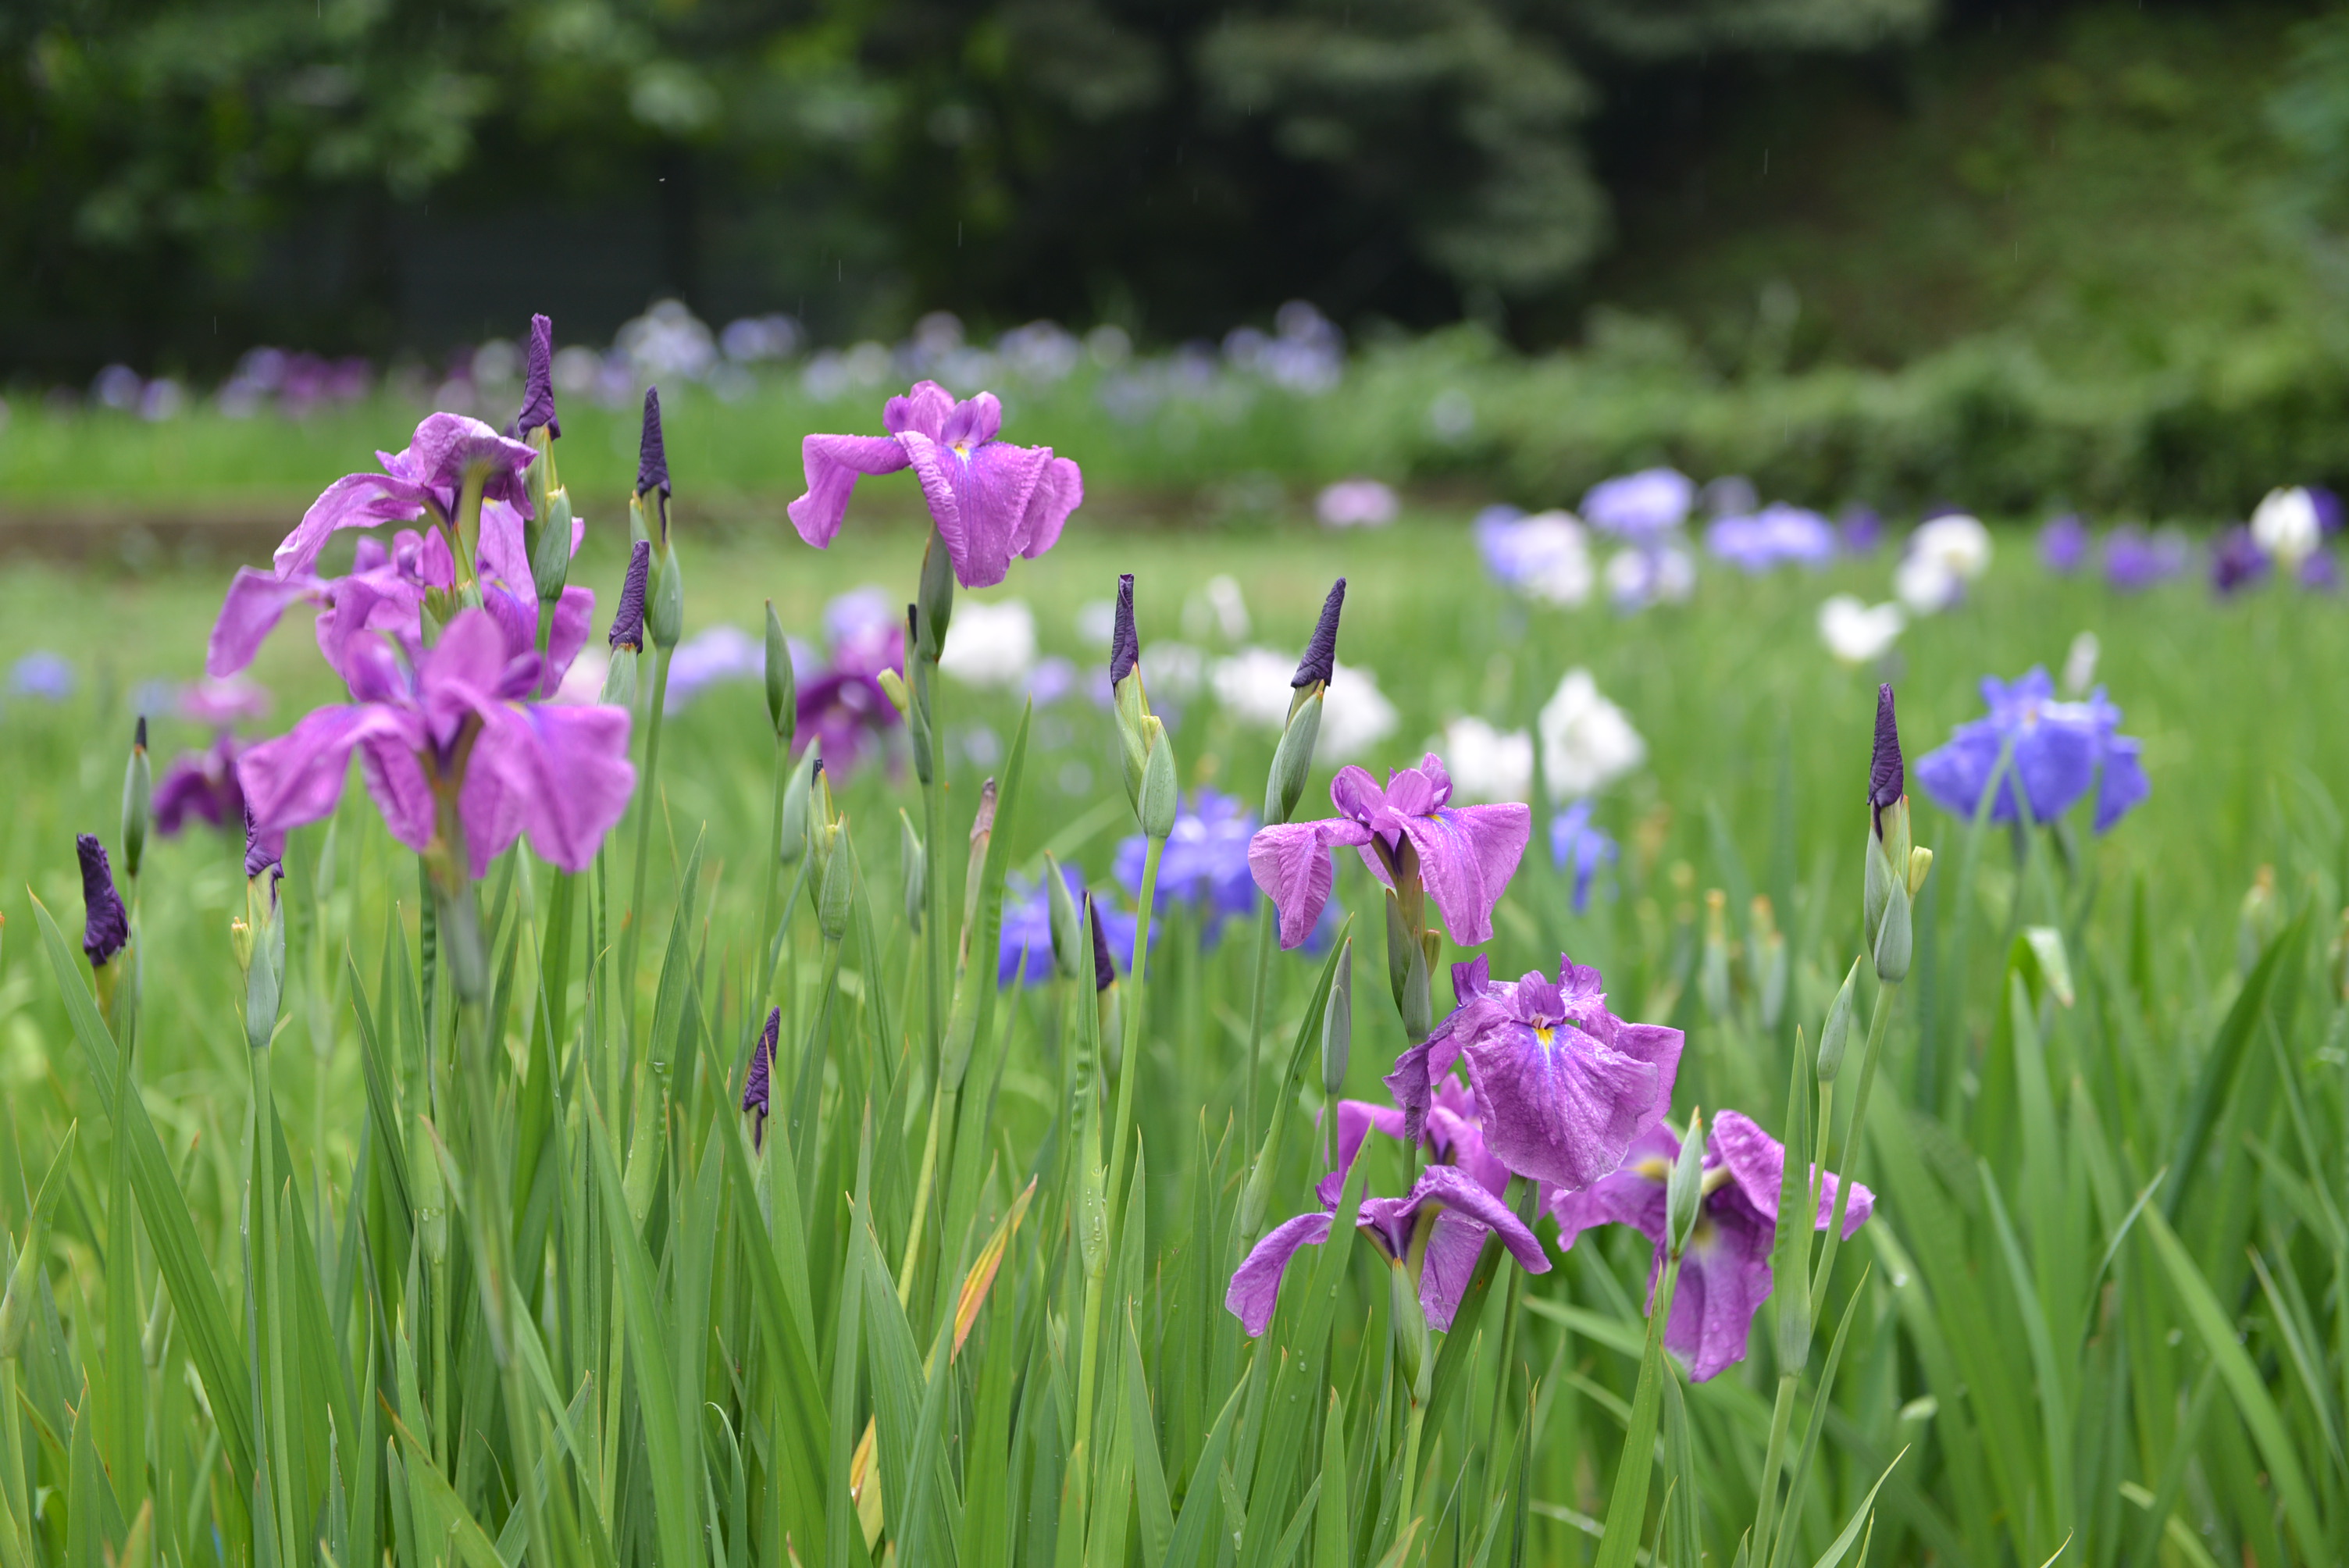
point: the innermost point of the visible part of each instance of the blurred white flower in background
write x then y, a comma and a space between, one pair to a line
1171, 669
990, 643
1252, 686
1218, 609
2286, 526
1859, 633
1944, 555
1357, 504
2080, 665
1486, 764
1662, 575
668, 341
1355, 715
1587, 741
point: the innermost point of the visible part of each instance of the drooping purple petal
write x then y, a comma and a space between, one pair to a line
978, 496
1557, 1105
923, 410
1757, 1163
1631, 1194
446, 447
1256, 1284
574, 615
2123, 785
354, 501
567, 768
832, 464
256, 602
1291, 864
1724, 1279
297, 777
1467, 856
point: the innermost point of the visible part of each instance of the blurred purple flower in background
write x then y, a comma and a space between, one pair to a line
1778, 535
2064, 543
1024, 952
1861, 528
1575, 844
1640, 507
200, 785
1204, 863
42, 674
1357, 504
2136, 561
843, 710
1545, 557
2237, 562
1726, 1272
2060, 751
718, 653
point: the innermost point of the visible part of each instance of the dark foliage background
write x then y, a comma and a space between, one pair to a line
179, 178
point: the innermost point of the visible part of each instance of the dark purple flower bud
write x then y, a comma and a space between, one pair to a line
628, 620
538, 387
1886, 776
1321, 660
106, 928
757, 1094
652, 457
263, 851
1105, 967
1124, 643
139, 740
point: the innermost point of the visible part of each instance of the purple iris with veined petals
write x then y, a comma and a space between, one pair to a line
1467, 1195
1563, 1086
1465, 854
1726, 1272
560, 774
991, 501
2062, 749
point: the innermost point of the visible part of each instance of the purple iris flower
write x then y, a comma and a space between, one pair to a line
1726, 1272
1861, 530
2062, 750
1640, 507
1465, 1188
2136, 561
200, 784
1025, 950
386, 588
991, 501
458, 716
2064, 543
1778, 535
1576, 844
44, 675
2237, 562
1204, 863
106, 928
843, 710
1562, 1085
1465, 855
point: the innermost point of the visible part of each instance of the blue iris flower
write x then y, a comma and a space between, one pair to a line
2062, 752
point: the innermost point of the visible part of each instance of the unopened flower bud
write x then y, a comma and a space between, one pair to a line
783, 682
106, 927
1321, 660
1887, 777
1765, 962
795, 807
549, 550
1417, 1366
1712, 969
912, 870
1337, 1024
1068, 951
1921, 861
935, 599
1835, 1037
1292, 760
138, 801
664, 606
627, 632
1155, 806
835, 897
1684, 1193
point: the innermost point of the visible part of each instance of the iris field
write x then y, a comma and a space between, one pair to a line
508, 1274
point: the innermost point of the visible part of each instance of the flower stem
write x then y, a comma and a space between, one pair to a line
1847, 1151
774, 876
1129, 1067
1782, 1415
647, 801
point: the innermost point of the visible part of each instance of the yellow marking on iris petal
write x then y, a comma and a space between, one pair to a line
1654, 1168
1543, 1033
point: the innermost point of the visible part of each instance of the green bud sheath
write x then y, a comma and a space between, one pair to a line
1836, 1035
782, 684
1337, 1024
1155, 806
138, 801
664, 606
1686, 1192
